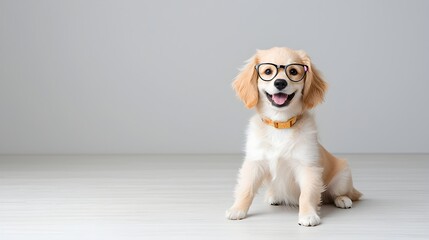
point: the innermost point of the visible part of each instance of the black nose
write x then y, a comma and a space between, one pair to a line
280, 84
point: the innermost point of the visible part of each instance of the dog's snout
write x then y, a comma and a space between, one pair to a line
280, 84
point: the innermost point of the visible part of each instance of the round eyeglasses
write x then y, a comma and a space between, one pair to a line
268, 71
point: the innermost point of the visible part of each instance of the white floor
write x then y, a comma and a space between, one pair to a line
185, 197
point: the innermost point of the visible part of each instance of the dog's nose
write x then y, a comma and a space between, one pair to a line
280, 84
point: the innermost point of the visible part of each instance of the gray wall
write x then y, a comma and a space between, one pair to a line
154, 76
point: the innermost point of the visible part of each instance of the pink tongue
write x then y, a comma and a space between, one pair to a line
279, 98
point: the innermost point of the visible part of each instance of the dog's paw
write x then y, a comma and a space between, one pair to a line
273, 201
235, 214
343, 202
309, 220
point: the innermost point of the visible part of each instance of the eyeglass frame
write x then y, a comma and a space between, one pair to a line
282, 66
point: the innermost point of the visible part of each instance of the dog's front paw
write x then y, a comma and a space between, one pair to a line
235, 213
309, 220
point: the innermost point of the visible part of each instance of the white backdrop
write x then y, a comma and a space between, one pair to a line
155, 76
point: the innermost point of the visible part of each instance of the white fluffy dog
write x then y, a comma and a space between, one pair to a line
282, 146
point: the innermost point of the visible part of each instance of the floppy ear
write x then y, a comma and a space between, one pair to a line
314, 85
246, 84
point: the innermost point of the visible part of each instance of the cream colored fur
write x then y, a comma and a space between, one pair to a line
296, 168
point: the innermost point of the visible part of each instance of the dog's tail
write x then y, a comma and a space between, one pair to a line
354, 195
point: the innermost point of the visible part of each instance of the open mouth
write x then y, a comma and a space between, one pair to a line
280, 99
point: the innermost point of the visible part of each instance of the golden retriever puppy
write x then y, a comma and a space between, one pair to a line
282, 147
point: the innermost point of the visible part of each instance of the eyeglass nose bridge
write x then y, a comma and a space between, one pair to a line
280, 67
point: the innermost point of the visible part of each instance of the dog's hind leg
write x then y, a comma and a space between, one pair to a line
341, 189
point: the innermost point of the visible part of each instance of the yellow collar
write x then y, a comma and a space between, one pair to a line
281, 125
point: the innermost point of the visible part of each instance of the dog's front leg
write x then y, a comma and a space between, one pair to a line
311, 185
251, 175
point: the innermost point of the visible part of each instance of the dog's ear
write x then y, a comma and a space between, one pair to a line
314, 85
246, 83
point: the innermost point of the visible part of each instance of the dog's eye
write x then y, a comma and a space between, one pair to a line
293, 72
268, 71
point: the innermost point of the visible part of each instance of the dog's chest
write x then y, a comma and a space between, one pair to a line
278, 143
278, 146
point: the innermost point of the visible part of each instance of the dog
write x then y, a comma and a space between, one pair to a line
282, 148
